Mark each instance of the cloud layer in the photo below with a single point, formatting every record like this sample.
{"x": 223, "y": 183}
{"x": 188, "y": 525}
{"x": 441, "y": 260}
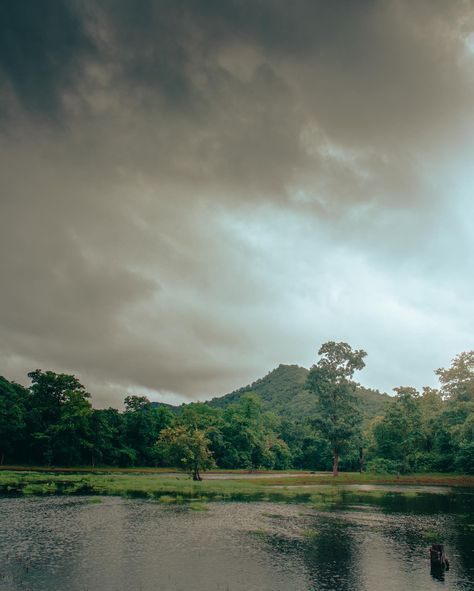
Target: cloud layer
{"x": 193, "y": 192}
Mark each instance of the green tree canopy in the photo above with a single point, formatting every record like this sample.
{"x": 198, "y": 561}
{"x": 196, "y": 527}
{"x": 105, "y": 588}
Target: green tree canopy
{"x": 457, "y": 382}
{"x": 186, "y": 448}
{"x": 330, "y": 380}
{"x": 58, "y": 413}
{"x": 12, "y": 418}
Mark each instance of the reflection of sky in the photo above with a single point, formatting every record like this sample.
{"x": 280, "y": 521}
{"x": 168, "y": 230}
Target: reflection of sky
{"x": 120, "y": 544}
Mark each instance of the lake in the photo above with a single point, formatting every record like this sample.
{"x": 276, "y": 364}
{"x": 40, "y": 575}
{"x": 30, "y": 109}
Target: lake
{"x": 83, "y": 544}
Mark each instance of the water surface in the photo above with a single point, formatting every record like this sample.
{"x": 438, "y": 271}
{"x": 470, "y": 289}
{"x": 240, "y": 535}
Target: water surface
{"x": 73, "y": 544}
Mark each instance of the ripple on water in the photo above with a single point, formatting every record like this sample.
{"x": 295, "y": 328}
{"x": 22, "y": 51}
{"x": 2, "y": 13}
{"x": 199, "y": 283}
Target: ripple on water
{"x": 118, "y": 544}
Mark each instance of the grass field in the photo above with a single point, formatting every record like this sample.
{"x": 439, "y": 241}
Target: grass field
{"x": 154, "y": 484}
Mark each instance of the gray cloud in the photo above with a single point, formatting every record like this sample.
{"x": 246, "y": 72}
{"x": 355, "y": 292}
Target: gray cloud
{"x": 193, "y": 192}
{"x": 41, "y": 50}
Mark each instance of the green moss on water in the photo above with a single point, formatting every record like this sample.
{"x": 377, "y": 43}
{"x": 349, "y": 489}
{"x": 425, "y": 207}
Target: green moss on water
{"x": 432, "y": 536}
{"x": 167, "y": 499}
{"x": 197, "y": 506}
{"x": 409, "y": 494}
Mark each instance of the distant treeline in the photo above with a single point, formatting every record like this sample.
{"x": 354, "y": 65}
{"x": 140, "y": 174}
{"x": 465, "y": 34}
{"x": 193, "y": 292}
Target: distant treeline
{"x": 52, "y": 423}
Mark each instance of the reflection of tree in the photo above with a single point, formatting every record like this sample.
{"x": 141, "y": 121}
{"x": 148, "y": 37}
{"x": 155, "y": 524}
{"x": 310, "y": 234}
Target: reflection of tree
{"x": 356, "y": 550}
{"x": 463, "y": 542}
{"x": 329, "y": 554}
{"x": 331, "y": 558}
{"x": 437, "y": 572}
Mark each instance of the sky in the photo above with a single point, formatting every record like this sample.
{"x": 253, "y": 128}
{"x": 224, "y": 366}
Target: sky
{"x": 195, "y": 191}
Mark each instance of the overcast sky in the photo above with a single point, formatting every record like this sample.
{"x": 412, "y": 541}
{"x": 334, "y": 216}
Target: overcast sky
{"x": 194, "y": 191}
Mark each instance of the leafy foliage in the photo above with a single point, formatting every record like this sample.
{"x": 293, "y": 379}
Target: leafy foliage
{"x": 291, "y": 418}
{"x": 187, "y": 448}
{"x": 284, "y": 392}
{"x": 338, "y": 418}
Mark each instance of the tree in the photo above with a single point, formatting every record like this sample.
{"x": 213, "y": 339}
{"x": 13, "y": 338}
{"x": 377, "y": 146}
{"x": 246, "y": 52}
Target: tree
{"x": 142, "y": 425}
{"x": 330, "y": 379}
{"x": 454, "y": 439}
{"x": 308, "y": 449}
{"x": 58, "y": 416}
{"x": 458, "y": 381}
{"x": 71, "y": 435}
{"x": 106, "y": 437}
{"x": 186, "y": 448}
{"x": 250, "y": 438}
{"x": 398, "y": 436}
{"x": 12, "y": 419}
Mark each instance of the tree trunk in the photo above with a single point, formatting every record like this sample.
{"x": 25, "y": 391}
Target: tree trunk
{"x": 361, "y": 459}
{"x": 335, "y": 464}
{"x": 438, "y": 557}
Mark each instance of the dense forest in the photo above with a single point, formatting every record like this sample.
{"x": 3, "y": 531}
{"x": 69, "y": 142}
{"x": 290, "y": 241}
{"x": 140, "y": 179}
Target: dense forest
{"x": 314, "y": 419}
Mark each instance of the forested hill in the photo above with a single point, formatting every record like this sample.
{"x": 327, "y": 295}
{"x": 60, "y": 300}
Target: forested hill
{"x": 52, "y": 422}
{"x": 283, "y": 391}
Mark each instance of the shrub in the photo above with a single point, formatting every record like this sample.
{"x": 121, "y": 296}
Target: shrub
{"x": 384, "y": 466}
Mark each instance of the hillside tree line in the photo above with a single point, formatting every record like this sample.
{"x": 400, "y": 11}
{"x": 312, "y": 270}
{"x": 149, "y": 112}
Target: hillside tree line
{"x": 52, "y": 422}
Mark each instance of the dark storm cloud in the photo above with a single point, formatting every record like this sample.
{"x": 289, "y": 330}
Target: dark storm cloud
{"x": 255, "y": 91}
{"x": 267, "y": 87}
{"x": 42, "y": 45}
{"x": 179, "y": 179}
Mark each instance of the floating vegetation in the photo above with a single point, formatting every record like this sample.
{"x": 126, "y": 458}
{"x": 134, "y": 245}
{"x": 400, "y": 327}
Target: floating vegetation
{"x": 310, "y": 534}
{"x": 432, "y": 536}
{"x": 167, "y": 499}
{"x": 198, "y": 506}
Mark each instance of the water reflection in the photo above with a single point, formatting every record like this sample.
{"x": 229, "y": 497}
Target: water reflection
{"x": 118, "y": 544}
{"x": 331, "y": 557}
{"x": 438, "y": 572}
{"x": 384, "y": 543}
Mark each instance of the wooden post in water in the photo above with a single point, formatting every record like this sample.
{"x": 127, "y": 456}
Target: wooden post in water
{"x": 438, "y": 557}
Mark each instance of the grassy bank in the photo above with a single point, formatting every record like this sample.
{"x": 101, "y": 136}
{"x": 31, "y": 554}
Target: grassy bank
{"x": 130, "y": 485}
{"x": 295, "y": 488}
{"x": 347, "y": 478}
{"x": 138, "y": 470}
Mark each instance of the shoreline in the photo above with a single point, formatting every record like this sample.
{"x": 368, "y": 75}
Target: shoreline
{"x": 176, "y": 487}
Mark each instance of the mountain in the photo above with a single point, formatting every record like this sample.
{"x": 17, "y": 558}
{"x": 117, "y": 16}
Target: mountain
{"x": 283, "y": 392}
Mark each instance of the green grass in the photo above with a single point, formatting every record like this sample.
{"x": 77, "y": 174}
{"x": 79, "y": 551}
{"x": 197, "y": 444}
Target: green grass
{"x": 179, "y": 489}
{"x": 129, "y": 485}
{"x": 196, "y": 506}
{"x": 344, "y": 478}
{"x": 432, "y": 536}
{"x": 134, "y": 470}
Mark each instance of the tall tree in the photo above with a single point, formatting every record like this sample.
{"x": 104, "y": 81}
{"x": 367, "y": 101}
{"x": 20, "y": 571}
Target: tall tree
{"x": 12, "y": 419}
{"x": 455, "y": 441}
{"x": 58, "y": 412}
{"x": 71, "y": 438}
{"x": 330, "y": 379}
{"x": 398, "y": 436}
{"x": 457, "y": 382}
{"x": 143, "y": 423}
